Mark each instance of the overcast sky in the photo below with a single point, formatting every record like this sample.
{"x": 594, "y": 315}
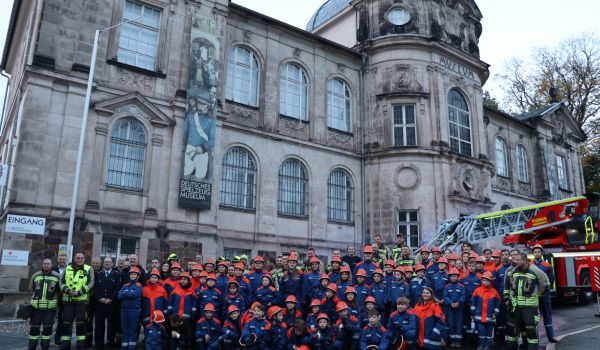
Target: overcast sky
{"x": 510, "y": 27}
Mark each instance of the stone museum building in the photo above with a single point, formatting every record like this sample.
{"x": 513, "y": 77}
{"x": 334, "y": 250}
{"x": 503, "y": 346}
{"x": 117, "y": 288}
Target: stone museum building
{"x": 370, "y": 121}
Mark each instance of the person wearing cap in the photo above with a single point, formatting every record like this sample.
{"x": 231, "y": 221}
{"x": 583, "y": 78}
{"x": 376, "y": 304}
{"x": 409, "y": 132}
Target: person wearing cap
{"x": 311, "y": 318}
{"x": 440, "y": 278}
{"x": 379, "y": 292}
{"x": 154, "y": 331}
{"x": 334, "y": 269}
{"x": 171, "y": 258}
{"x": 389, "y": 266}
{"x": 432, "y": 322}
{"x": 292, "y": 280}
{"x": 107, "y": 284}
{"x": 366, "y": 265}
{"x": 370, "y": 305}
{"x": 172, "y": 282}
{"x": 254, "y": 336}
{"x": 497, "y": 257}
{"x": 432, "y": 267}
{"x": 351, "y": 259}
{"x": 255, "y": 276}
{"x": 291, "y": 312}
{"x": 374, "y": 333}
{"x": 154, "y": 297}
{"x": 455, "y": 297}
{"x": 406, "y": 258}
{"x": 363, "y": 290}
{"x": 232, "y": 329}
{"x": 209, "y": 294}
{"x": 352, "y": 302}
{"x": 545, "y": 299}
{"x": 344, "y": 281}
{"x": 276, "y": 329}
{"x": 232, "y": 296}
{"x": 480, "y": 265}
{"x": 417, "y": 284}
{"x": 348, "y": 326}
{"x": 208, "y": 329}
{"x": 312, "y": 279}
{"x": 325, "y": 337}
{"x": 183, "y": 301}
{"x": 243, "y": 283}
{"x": 485, "y": 304}
{"x": 319, "y": 292}
{"x": 500, "y": 273}
{"x": 195, "y": 271}
{"x": 397, "y": 288}
{"x": 471, "y": 282}
{"x": 408, "y": 274}
{"x": 130, "y": 297}
{"x": 266, "y": 294}
{"x": 222, "y": 277}
{"x": 329, "y": 301}
{"x": 209, "y": 266}
{"x": 403, "y": 323}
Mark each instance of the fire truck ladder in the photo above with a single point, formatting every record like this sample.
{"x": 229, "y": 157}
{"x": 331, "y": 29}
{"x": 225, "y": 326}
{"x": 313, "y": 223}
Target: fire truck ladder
{"x": 477, "y": 228}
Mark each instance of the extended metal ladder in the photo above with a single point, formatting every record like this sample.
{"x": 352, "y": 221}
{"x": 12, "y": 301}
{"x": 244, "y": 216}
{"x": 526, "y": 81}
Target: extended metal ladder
{"x": 478, "y": 228}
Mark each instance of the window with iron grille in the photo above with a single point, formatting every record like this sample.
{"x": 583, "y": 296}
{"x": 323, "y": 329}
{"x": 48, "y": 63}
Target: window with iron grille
{"x": 138, "y": 41}
{"x": 242, "y": 76}
{"x": 561, "y": 168}
{"x": 340, "y": 197}
{"x": 230, "y": 253}
{"x": 501, "y": 157}
{"x": 338, "y": 105}
{"x": 293, "y": 189}
{"x": 405, "y": 126}
{"x": 523, "y": 164}
{"x": 126, "y": 155}
{"x": 293, "y": 97}
{"x": 408, "y": 224}
{"x": 115, "y": 247}
{"x": 460, "y": 125}
{"x": 238, "y": 180}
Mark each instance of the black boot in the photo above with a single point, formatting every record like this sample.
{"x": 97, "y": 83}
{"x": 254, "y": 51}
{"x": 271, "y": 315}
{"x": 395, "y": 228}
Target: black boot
{"x": 32, "y": 344}
{"x": 45, "y": 344}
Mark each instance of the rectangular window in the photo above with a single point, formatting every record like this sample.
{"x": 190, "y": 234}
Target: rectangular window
{"x": 561, "y": 168}
{"x": 230, "y": 253}
{"x": 404, "y": 126}
{"x": 408, "y": 224}
{"x": 138, "y": 41}
{"x": 115, "y": 247}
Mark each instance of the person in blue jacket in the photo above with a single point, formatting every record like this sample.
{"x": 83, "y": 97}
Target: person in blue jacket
{"x": 222, "y": 277}
{"x": 267, "y": 295}
{"x": 208, "y": 330}
{"x": 154, "y": 332}
{"x": 484, "y": 309}
{"x": 439, "y": 279}
{"x": 231, "y": 329}
{"x": 276, "y": 329}
{"x": 403, "y": 322}
{"x": 417, "y": 284}
{"x": 254, "y": 336}
{"x": 455, "y": 296}
{"x": 374, "y": 333}
{"x": 367, "y": 265}
{"x": 325, "y": 337}
{"x": 348, "y": 327}
{"x": 130, "y": 297}
{"x": 311, "y": 280}
{"x": 379, "y": 292}
{"x": 209, "y": 294}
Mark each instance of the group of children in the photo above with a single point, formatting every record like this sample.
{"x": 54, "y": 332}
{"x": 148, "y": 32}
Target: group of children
{"x": 426, "y": 306}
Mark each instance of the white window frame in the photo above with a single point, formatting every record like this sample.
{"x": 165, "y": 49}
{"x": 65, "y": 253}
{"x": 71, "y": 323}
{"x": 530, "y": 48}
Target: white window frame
{"x": 140, "y": 27}
{"x": 293, "y": 93}
{"x": 120, "y": 156}
{"x": 501, "y": 157}
{"x": 240, "y": 73}
{"x": 292, "y": 190}
{"x": 458, "y": 124}
{"x": 400, "y": 123}
{"x": 523, "y": 164}
{"x": 562, "y": 172}
{"x": 340, "y": 197}
{"x": 119, "y": 252}
{"x": 334, "y": 111}
{"x": 403, "y": 217}
{"x": 238, "y": 179}
{"x": 230, "y": 253}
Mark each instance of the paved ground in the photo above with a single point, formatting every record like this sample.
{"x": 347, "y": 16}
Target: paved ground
{"x": 575, "y": 326}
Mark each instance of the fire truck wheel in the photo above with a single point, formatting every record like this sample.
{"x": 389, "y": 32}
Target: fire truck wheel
{"x": 588, "y": 296}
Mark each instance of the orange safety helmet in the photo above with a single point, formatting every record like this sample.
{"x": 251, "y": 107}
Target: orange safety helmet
{"x": 379, "y": 272}
{"x": 273, "y": 310}
{"x": 293, "y": 257}
{"x": 315, "y": 302}
{"x": 408, "y": 269}
{"x": 203, "y": 274}
{"x": 322, "y": 316}
{"x": 175, "y": 265}
{"x": 496, "y": 253}
{"x": 209, "y": 307}
{"x": 324, "y": 276}
{"x": 488, "y": 276}
{"x": 370, "y": 299}
{"x": 368, "y": 249}
{"x": 390, "y": 262}
{"x": 336, "y": 259}
{"x": 332, "y": 287}
{"x": 186, "y": 275}
{"x": 419, "y": 267}
{"x": 537, "y": 246}
{"x": 232, "y": 308}
{"x": 154, "y": 272}
{"x": 350, "y": 289}
{"x": 400, "y": 269}
{"x": 239, "y": 266}
{"x": 291, "y": 299}
{"x": 361, "y": 272}
{"x": 436, "y": 249}
{"x": 196, "y": 267}
{"x": 442, "y": 260}
{"x": 341, "y": 306}
{"x": 345, "y": 269}
{"x": 211, "y": 276}
{"x": 314, "y": 259}
{"x": 259, "y": 259}
{"x": 453, "y": 271}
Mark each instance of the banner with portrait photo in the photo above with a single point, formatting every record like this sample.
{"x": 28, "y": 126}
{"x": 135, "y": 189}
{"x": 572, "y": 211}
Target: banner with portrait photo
{"x": 195, "y": 185}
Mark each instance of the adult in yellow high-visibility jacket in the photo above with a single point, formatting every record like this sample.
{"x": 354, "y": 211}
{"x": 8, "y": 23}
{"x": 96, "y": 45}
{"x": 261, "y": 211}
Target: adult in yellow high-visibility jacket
{"x": 44, "y": 286}
{"x": 75, "y": 284}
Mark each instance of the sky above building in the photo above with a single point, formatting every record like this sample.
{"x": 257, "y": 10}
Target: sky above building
{"x": 511, "y": 28}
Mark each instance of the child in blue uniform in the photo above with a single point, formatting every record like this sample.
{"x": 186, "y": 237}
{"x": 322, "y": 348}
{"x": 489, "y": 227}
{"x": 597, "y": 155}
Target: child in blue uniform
{"x": 130, "y": 297}
{"x": 374, "y": 333}
{"x": 208, "y": 330}
{"x": 454, "y": 303}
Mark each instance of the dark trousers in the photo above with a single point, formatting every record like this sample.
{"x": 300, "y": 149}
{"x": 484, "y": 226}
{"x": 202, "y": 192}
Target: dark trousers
{"x": 519, "y": 318}
{"x": 59, "y": 312}
{"x": 41, "y": 322}
{"x": 73, "y": 311}
{"x": 546, "y": 311}
{"x": 130, "y": 324}
{"x": 500, "y": 333}
{"x": 104, "y": 322}
{"x": 455, "y": 320}
{"x": 486, "y": 332}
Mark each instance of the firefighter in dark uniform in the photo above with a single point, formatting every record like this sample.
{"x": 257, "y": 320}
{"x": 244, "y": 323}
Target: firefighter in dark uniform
{"x": 522, "y": 287}
{"x": 75, "y": 284}
{"x": 45, "y": 287}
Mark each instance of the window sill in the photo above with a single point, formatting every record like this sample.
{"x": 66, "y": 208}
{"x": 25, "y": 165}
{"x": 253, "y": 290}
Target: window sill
{"x": 349, "y": 133}
{"x": 404, "y": 147}
{"x": 292, "y": 216}
{"x": 503, "y": 176}
{"x": 136, "y": 69}
{"x": 293, "y": 118}
{"x": 125, "y": 190}
{"x": 336, "y": 222}
{"x": 524, "y": 182}
{"x": 256, "y": 108}
{"x": 238, "y": 209}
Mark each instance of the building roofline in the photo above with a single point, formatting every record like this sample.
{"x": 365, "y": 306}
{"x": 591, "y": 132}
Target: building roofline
{"x": 10, "y": 32}
{"x": 292, "y": 28}
{"x": 507, "y": 116}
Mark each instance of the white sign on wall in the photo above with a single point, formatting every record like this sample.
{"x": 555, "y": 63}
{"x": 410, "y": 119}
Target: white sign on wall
{"x": 25, "y": 224}
{"x": 3, "y": 174}
{"x": 15, "y": 257}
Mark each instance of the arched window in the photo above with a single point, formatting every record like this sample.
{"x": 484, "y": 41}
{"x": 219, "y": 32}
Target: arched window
{"x": 338, "y": 105}
{"x": 501, "y": 157}
{"x": 238, "y": 179}
{"x": 242, "y": 76}
{"x": 126, "y": 155}
{"x": 340, "y": 197}
{"x": 523, "y": 164}
{"x": 293, "y": 97}
{"x": 293, "y": 189}
{"x": 460, "y": 124}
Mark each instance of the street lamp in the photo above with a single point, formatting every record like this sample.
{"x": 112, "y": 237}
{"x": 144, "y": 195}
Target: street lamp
{"x": 86, "y": 107}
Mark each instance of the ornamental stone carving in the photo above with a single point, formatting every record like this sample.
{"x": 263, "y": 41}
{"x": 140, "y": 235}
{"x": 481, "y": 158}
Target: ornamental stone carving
{"x": 135, "y": 80}
{"x": 399, "y": 78}
{"x": 470, "y": 182}
{"x": 244, "y": 116}
{"x": 407, "y": 177}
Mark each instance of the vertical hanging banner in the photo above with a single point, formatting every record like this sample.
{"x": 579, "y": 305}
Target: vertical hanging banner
{"x": 195, "y": 185}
